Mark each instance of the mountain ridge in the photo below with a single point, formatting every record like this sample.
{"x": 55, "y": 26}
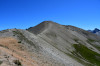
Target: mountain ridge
{"x": 41, "y": 27}
{"x": 50, "y": 44}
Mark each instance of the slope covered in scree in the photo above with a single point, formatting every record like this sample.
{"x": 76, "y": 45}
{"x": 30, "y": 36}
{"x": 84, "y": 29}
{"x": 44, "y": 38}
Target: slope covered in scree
{"x": 67, "y": 39}
{"x": 83, "y": 32}
{"x": 49, "y": 44}
{"x": 39, "y": 28}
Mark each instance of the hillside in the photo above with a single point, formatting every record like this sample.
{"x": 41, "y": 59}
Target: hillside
{"x": 49, "y": 44}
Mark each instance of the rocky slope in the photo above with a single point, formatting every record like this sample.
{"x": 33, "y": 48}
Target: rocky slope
{"x": 49, "y": 44}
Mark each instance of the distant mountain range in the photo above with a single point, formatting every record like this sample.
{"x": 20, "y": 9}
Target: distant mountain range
{"x": 95, "y": 31}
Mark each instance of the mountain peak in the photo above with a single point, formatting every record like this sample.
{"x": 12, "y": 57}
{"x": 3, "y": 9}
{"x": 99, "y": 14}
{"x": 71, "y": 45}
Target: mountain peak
{"x": 96, "y": 30}
{"x": 40, "y": 27}
{"x": 49, "y": 43}
{"x": 47, "y": 22}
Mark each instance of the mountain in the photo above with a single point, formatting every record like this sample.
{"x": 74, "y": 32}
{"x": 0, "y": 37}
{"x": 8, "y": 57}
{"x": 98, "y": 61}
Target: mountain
{"x": 49, "y": 44}
{"x": 95, "y": 31}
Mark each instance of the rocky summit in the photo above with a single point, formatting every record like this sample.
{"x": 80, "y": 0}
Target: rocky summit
{"x": 49, "y": 44}
{"x": 95, "y": 31}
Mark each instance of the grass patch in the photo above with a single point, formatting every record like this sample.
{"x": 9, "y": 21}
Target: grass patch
{"x": 97, "y": 47}
{"x": 87, "y": 54}
{"x": 78, "y": 59}
{"x": 1, "y": 62}
{"x": 94, "y": 45}
{"x": 91, "y": 40}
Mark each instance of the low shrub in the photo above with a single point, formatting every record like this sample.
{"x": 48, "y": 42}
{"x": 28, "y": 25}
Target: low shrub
{"x": 17, "y": 62}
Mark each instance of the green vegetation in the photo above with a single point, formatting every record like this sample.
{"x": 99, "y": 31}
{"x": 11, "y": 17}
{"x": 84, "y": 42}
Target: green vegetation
{"x": 87, "y": 54}
{"x": 78, "y": 59}
{"x": 17, "y": 62}
{"x": 19, "y": 41}
{"x": 1, "y": 62}
{"x": 91, "y": 40}
{"x": 96, "y": 46}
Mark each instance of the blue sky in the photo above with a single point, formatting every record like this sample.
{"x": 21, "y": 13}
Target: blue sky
{"x": 22, "y": 14}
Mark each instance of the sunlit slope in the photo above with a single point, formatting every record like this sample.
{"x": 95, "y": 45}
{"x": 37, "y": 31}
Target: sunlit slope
{"x": 74, "y": 42}
{"x": 49, "y": 44}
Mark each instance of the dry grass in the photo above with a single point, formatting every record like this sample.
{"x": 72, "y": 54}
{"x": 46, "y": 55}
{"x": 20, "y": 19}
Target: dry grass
{"x": 11, "y": 46}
